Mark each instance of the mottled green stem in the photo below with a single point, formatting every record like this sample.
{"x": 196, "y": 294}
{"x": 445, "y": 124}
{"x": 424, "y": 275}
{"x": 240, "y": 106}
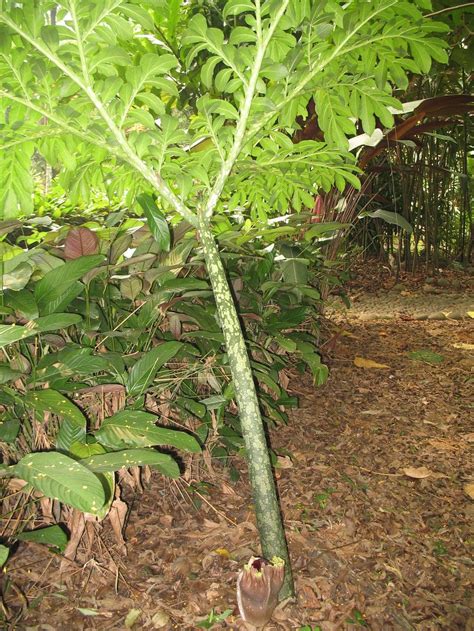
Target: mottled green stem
{"x": 267, "y": 509}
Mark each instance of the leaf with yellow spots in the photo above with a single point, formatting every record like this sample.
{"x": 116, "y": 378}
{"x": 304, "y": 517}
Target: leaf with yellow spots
{"x": 103, "y": 463}
{"x": 362, "y": 362}
{"x": 61, "y": 478}
{"x": 135, "y": 428}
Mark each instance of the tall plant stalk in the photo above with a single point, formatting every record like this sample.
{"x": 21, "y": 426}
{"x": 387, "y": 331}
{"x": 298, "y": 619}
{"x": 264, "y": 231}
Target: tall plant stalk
{"x": 270, "y": 527}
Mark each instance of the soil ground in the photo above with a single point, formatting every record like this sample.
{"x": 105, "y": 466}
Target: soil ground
{"x": 375, "y": 473}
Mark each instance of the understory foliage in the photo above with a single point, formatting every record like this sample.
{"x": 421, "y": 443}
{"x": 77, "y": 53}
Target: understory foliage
{"x": 185, "y": 113}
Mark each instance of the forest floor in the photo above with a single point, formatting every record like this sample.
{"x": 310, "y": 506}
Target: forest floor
{"x": 375, "y": 479}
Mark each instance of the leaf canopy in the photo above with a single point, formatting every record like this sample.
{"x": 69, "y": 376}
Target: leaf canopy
{"x": 100, "y": 97}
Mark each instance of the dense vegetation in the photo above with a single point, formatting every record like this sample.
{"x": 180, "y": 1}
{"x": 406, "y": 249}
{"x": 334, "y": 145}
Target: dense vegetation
{"x": 176, "y": 181}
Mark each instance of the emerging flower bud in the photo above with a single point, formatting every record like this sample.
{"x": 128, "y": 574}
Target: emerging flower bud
{"x": 258, "y": 585}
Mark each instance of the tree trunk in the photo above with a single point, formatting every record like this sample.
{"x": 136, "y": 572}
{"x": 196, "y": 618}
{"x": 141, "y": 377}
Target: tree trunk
{"x": 269, "y": 521}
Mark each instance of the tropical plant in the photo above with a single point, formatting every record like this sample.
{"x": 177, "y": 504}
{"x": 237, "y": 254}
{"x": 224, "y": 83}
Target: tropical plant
{"x": 91, "y": 87}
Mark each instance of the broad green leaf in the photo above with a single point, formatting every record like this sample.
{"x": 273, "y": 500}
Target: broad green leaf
{"x": 18, "y": 278}
{"x": 389, "y": 217}
{"x": 51, "y": 289}
{"x": 50, "y": 536}
{"x": 320, "y": 229}
{"x": 156, "y": 221}
{"x": 59, "y": 477}
{"x": 9, "y": 430}
{"x": 295, "y": 270}
{"x": 10, "y": 333}
{"x": 56, "y": 321}
{"x": 195, "y": 407}
{"x": 73, "y": 427}
{"x": 72, "y": 361}
{"x": 144, "y": 370}
{"x": 235, "y": 7}
{"x": 287, "y": 319}
{"x": 132, "y": 428}
{"x": 4, "y": 552}
{"x": 429, "y": 357}
{"x": 7, "y": 374}
{"x": 131, "y": 458}
{"x": 23, "y": 302}
{"x": 184, "y": 284}
{"x": 82, "y": 451}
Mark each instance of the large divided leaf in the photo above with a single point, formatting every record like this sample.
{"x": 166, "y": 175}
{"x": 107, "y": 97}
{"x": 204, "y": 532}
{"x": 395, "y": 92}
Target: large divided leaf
{"x": 16, "y": 180}
{"x": 61, "y": 478}
{"x": 133, "y": 428}
{"x": 130, "y": 458}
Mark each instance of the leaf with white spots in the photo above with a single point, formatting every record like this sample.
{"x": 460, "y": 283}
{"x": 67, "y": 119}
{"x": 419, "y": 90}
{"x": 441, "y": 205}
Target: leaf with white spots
{"x": 116, "y": 460}
{"x": 133, "y": 428}
{"x": 59, "y": 477}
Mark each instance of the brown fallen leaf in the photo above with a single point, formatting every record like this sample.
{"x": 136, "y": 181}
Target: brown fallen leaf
{"x": 417, "y": 472}
{"x": 284, "y": 462}
{"x": 160, "y": 619}
{"x": 469, "y": 490}
{"x": 362, "y": 362}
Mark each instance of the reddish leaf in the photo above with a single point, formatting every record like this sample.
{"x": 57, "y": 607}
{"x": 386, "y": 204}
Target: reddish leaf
{"x": 80, "y": 242}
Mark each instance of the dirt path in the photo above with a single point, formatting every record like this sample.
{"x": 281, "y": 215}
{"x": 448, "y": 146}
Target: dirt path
{"x": 373, "y": 478}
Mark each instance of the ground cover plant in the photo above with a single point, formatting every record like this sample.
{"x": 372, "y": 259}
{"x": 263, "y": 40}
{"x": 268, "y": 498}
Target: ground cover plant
{"x": 187, "y": 116}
